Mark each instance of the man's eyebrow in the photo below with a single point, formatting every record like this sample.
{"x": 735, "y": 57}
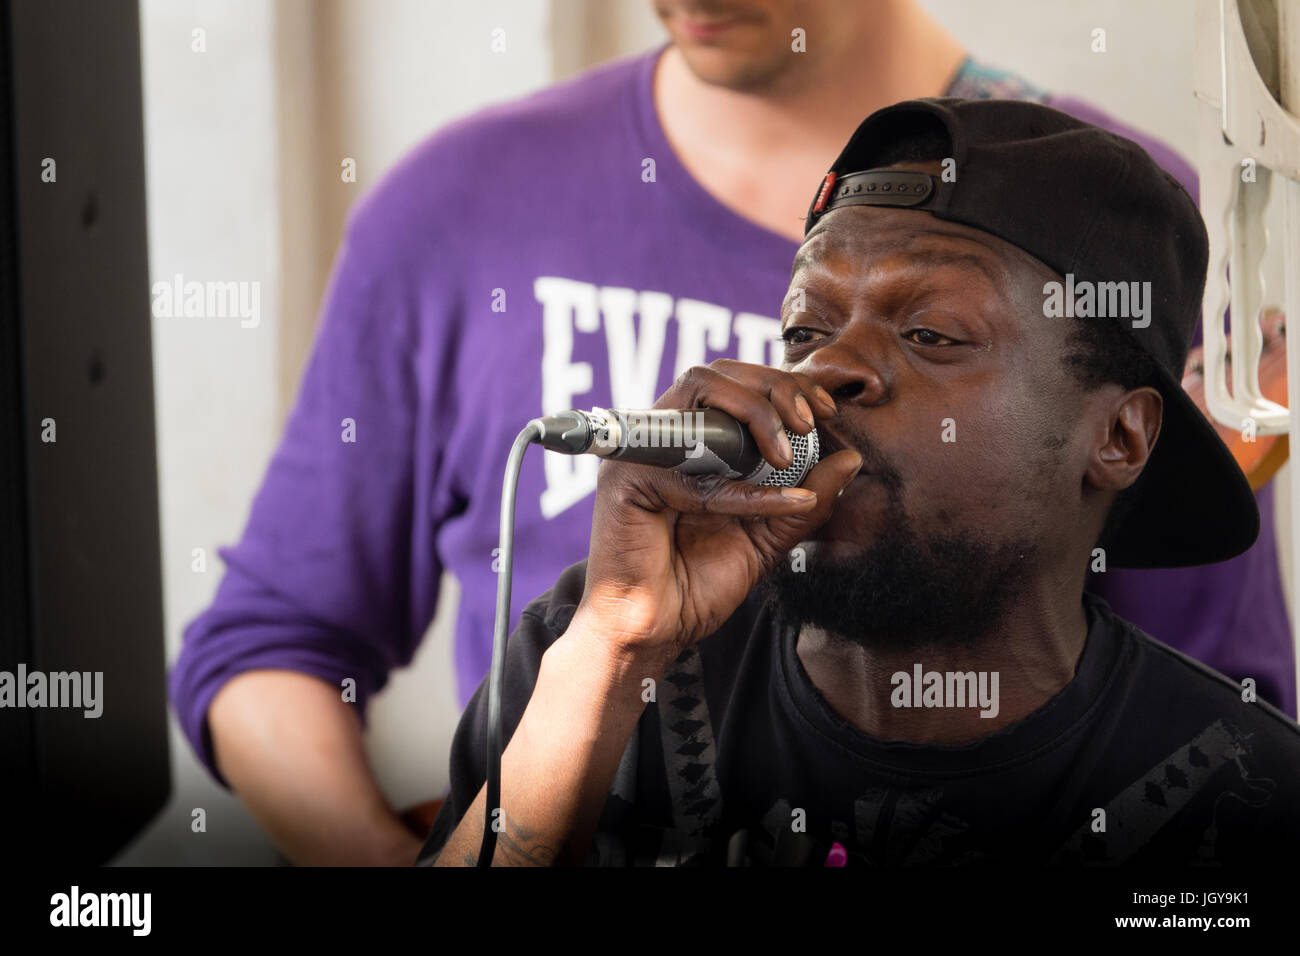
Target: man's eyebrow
{"x": 801, "y": 259}
{"x": 933, "y": 258}
{"x": 926, "y": 257}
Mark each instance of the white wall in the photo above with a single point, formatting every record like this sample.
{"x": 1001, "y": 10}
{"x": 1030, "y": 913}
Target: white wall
{"x": 212, "y": 210}
{"x": 1144, "y": 77}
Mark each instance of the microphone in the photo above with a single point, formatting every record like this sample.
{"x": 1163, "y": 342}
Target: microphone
{"x": 694, "y": 441}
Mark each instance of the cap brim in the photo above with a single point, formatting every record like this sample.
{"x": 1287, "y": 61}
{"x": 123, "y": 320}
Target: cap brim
{"x": 1192, "y": 503}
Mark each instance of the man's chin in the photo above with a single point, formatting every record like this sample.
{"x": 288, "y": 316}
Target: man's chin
{"x": 731, "y": 69}
{"x": 877, "y": 582}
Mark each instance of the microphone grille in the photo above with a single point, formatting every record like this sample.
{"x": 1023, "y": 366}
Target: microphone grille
{"x": 807, "y": 451}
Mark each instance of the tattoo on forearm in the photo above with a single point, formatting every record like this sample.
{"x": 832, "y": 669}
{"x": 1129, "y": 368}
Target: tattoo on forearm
{"x": 518, "y": 849}
{"x": 522, "y": 849}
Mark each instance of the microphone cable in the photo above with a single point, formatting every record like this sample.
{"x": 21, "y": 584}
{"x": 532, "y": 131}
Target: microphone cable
{"x": 500, "y": 632}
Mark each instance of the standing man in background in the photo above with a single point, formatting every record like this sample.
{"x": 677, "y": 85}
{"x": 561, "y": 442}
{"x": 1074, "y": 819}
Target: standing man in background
{"x": 580, "y": 247}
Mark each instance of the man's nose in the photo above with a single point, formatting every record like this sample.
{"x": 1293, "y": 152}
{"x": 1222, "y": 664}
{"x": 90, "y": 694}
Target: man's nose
{"x": 852, "y": 371}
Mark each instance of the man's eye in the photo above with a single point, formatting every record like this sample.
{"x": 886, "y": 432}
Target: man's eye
{"x": 797, "y": 335}
{"x": 928, "y": 337}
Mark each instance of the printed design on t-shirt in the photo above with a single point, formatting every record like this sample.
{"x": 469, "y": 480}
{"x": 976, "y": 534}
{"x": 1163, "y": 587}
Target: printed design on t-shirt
{"x": 635, "y": 325}
{"x": 891, "y": 827}
{"x": 894, "y": 827}
{"x": 911, "y": 827}
{"x": 686, "y": 733}
{"x": 1136, "y": 814}
{"x": 977, "y": 81}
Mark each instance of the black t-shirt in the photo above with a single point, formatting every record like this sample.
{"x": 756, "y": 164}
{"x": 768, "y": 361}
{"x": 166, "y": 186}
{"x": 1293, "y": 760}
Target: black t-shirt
{"x": 1146, "y": 756}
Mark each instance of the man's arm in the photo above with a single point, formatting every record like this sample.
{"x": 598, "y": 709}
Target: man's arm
{"x": 336, "y": 574}
{"x": 672, "y": 557}
{"x": 292, "y": 750}
{"x": 558, "y": 767}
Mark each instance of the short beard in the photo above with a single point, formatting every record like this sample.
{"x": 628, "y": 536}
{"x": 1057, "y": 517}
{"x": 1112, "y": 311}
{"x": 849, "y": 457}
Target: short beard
{"x": 751, "y": 79}
{"x": 905, "y": 591}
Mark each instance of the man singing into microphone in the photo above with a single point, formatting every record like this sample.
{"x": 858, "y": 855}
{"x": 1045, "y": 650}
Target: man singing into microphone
{"x": 897, "y": 663}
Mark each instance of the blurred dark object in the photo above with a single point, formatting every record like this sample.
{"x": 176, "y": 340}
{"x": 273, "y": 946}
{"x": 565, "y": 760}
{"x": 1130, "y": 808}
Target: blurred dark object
{"x": 80, "y": 576}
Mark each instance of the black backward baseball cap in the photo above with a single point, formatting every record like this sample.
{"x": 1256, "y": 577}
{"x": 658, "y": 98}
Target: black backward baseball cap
{"x": 1094, "y": 205}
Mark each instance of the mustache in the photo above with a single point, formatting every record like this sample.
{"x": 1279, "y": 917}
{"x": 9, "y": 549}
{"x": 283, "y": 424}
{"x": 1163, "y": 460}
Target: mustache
{"x": 875, "y": 464}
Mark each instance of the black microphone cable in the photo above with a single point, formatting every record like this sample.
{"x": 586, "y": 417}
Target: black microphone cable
{"x": 500, "y": 632}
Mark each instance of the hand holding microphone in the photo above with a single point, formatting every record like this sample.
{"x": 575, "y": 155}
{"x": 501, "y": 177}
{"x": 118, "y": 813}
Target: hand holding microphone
{"x": 673, "y": 551}
{"x": 677, "y": 542}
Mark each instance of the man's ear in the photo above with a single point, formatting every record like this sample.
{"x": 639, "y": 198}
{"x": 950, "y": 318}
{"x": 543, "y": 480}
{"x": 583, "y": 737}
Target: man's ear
{"x": 1131, "y": 422}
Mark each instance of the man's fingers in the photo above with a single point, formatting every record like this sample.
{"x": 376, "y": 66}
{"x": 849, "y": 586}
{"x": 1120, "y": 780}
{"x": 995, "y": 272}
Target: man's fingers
{"x": 721, "y": 496}
{"x": 653, "y": 489}
{"x": 659, "y": 489}
{"x": 823, "y": 404}
{"x": 833, "y": 473}
{"x": 798, "y": 399}
{"x": 705, "y": 386}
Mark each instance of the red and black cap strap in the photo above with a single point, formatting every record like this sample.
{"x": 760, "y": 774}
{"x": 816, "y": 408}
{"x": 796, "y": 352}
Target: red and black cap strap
{"x": 877, "y": 187}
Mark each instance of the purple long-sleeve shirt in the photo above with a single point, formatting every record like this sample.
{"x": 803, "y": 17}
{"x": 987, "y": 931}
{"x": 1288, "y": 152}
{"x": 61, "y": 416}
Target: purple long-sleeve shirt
{"x": 546, "y": 254}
